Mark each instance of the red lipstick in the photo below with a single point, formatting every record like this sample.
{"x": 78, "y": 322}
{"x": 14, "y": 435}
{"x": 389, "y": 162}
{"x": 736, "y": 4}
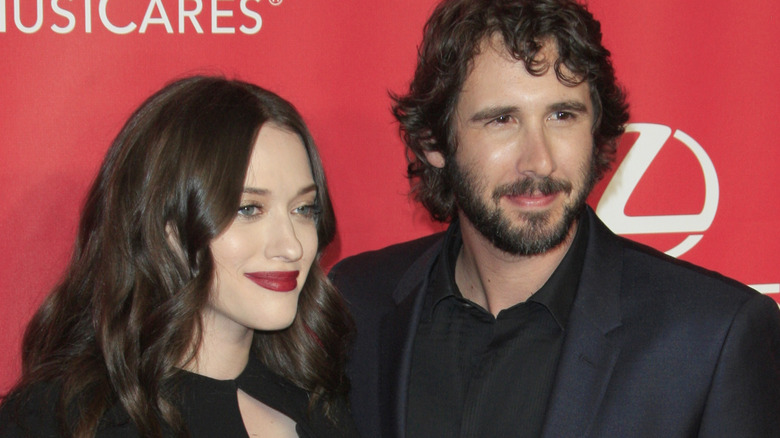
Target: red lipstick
{"x": 278, "y": 281}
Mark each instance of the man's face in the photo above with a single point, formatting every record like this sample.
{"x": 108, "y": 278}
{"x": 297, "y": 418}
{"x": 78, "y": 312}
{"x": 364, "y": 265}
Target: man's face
{"x": 523, "y": 165}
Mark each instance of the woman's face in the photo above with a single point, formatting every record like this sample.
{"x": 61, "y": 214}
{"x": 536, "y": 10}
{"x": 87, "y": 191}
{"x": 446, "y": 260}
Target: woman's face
{"x": 263, "y": 258}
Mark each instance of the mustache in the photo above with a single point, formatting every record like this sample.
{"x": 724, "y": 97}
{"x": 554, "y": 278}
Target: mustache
{"x": 528, "y": 186}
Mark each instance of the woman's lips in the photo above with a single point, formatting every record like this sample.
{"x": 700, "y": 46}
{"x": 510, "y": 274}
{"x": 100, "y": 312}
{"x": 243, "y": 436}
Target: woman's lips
{"x": 278, "y": 281}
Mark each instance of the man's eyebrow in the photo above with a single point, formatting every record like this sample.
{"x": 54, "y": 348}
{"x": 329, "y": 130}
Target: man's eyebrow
{"x": 569, "y": 105}
{"x": 493, "y": 112}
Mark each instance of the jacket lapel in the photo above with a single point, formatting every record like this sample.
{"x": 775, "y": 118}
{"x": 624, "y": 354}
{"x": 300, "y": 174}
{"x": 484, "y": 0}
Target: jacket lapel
{"x": 589, "y": 353}
{"x": 397, "y": 336}
{"x": 587, "y": 359}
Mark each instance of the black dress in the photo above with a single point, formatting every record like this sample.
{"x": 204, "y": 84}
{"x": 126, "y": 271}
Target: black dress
{"x": 209, "y": 408}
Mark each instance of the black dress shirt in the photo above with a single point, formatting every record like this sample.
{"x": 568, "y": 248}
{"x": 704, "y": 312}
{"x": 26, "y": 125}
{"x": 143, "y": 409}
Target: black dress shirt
{"x": 476, "y": 375}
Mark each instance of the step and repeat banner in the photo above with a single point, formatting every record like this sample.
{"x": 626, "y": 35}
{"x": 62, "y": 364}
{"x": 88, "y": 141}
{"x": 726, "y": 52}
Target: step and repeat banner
{"x": 697, "y": 171}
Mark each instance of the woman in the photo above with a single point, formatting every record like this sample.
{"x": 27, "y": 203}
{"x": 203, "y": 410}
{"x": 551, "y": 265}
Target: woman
{"x": 194, "y": 304}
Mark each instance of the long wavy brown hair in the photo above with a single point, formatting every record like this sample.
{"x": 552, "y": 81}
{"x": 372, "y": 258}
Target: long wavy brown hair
{"x": 452, "y": 38}
{"x": 127, "y": 313}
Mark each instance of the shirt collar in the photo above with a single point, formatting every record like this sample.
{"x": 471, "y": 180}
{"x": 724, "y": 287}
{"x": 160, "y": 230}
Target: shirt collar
{"x": 557, "y": 294}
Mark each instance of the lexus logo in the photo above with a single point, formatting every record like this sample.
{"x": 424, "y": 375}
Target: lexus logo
{"x": 611, "y": 207}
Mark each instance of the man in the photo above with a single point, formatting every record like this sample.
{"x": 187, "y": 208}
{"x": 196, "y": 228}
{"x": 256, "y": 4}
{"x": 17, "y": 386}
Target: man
{"x": 528, "y": 317}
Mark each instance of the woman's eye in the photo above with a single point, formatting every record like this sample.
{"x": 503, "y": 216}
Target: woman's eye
{"x": 249, "y": 210}
{"x": 308, "y": 211}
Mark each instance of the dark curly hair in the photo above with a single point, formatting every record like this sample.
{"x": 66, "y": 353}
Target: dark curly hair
{"x": 127, "y": 313}
{"x": 452, "y": 38}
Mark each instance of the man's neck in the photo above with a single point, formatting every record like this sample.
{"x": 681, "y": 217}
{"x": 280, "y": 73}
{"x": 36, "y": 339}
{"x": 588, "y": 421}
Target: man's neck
{"x": 497, "y": 280}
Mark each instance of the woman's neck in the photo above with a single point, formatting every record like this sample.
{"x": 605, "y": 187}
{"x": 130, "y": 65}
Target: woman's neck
{"x": 223, "y": 352}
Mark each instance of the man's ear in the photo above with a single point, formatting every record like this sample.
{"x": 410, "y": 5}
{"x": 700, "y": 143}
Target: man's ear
{"x": 436, "y": 158}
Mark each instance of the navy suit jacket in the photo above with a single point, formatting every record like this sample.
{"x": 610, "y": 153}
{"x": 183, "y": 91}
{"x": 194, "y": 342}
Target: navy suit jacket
{"x": 654, "y": 347}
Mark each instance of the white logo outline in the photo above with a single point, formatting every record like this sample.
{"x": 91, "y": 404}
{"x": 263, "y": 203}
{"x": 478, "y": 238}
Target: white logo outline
{"x": 611, "y": 207}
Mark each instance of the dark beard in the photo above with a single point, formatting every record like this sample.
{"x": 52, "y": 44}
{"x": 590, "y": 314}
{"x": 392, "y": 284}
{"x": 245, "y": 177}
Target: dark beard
{"x": 538, "y": 235}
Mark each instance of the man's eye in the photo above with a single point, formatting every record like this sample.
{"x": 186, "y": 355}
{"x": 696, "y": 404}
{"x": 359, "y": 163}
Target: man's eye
{"x": 562, "y": 115}
{"x": 502, "y": 119}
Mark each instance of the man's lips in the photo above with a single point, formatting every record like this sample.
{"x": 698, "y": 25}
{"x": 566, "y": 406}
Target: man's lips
{"x": 278, "y": 281}
{"x": 532, "y": 200}
{"x": 533, "y": 193}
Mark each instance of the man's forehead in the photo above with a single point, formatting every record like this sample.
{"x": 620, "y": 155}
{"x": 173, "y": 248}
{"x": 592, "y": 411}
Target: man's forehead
{"x": 544, "y": 59}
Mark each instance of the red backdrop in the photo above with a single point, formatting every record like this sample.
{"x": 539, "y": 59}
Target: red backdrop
{"x": 701, "y": 179}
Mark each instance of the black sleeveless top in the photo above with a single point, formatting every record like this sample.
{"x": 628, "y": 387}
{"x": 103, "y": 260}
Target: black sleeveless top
{"x": 208, "y": 406}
